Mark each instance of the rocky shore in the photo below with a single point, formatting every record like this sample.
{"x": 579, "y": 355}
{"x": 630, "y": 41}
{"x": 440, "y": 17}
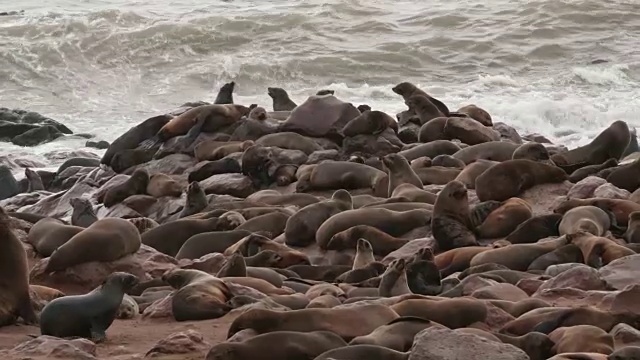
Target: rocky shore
{"x": 328, "y": 228}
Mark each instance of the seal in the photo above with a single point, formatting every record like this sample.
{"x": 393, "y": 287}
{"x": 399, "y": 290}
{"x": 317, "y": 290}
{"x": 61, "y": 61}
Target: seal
{"x": 83, "y": 214}
{"x": 505, "y": 219}
{"x": 430, "y": 150}
{"x": 512, "y": 177}
{"x": 15, "y": 300}
{"x": 421, "y": 162}
{"x": 198, "y": 295}
{"x": 533, "y": 151}
{"x": 381, "y": 242}
{"x": 632, "y": 235}
{"x": 8, "y": 184}
{"x": 210, "y": 168}
{"x": 536, "y": 228}
{"x": 134, "y": 136}
{"x": 205, "y": 243}
{"x": 450, "y": 220}
{"x": 393, "y": 281}
{"x": 452, "y": 313}
{"x": 563, "y": 255}
{"x": 136, "y": 184}
{"x": 424, "y": 108}
{"x": 581, "y": 338}
{"x": 433, "y": 129}
{"x": 225, "y": 94}
{"x": 88, "y": 315}
{"x": 400, "y": 172}
{"x": 302, "y": 226}
{"x": 128, "y": 309}
{"x": 273, "y": 223}
{"x": 48, "y": 234}
{"x": 195, "y": 202}
{"x": 202, "y": 152}
{"x": 392, "y": 222}
{"x": 345, "y": 322}
{"x": 596, "y": 250}
{"x": 620, "y": 208}
{"x": 470, "y": 173}
{"x": 168, "y": 238}
{"x": 35, "y": 182}
{"x": 455, "y": 260}
{"x": 372, "y": 270}
{"x": 397, "y": 335}
{"x": 364, "y": 254}
{"x": 446, "y": 161}
{"x": 610, "y": 143}
{"x": 370, "y": 123}
{"x": 217, "y": 116}
{"x": 407, "y": 89}
{"x": 281, "y": 100}
{"x": 106, "y": 240}
{"x": 163, "y": 185}
{"x": 518, "y": 256}
{"x": 496, "y": 151}
{"x": 289, "y": 140}
{"x": 476, "y": 113}
{"x": 626, "y": 176}
{"x": 124, "y": 160}
{"x": 589, "y": 170}
{"x": 291, "y": 345}
{"x": 331, "y": 175}
{"x": 469, "y": 131}
{"x": 363, "y": 352}
{"x": 413, "y": 193}
{"x": 588, "y": 218}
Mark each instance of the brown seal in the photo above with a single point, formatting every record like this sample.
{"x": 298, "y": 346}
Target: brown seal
{"x": 281, "y": 100}
{"x": 495, "y": 151}
{"x": 397, "y": 335}
{"x": 452, "y": 313}
{"x": 15, "y": 300}
{"x": 421, "y": 162}
{"x": 393, "y": 282}
{"x": 518, "y": 256}
{"x": 533, "y": 151}
{"x": 450, "y": 220}
{"x": 35, "y": 182}
{"x": 470, "y": 173}
{"x": 407, "y": 89}
{"x": 289, "y": 140}
{"x": 536, "y": 228}
{"x": 477, "y": 113}
{"x": 168, "y": 238}
{"x": 431, "y": 130}
{"x": 632, "y": 235}
{"x": 254, "y": 243}
{"x": 135, "y": 184}
{"x": 49, "y": 234}
{"x": 324, "y": 301}
{"x": 392, "y": 222}
{"x": 588, "y": 218}
{"x": 275, "y": 198}
{"x": 581, "y": 338}
{"x": 589, "y": 170}
{"x": 302, "y": 226}
{"x": 620, "y": 208}
{"x": 437, "y": 175}
{"x": 106, "y": 240}
{"x": 563, "y": 255}
{"x": 331, "y": 175}
{"x": 198, "y": 295}
{"x": 596, "y": 250}
{"x": 505, "y": 219}
{"x": 381, "y": 242}
{"x": 626, "y": 176}
{"x": 469, "y": 131}
{"x": 347, "y": 323}
{"x": 195, "y": 202}
{"x": 458, "y": 259}
{"x": 424, "y": 108}
{"x": 225, "y": 94}
{"x": 413, "y": 193}
{"x": 83, "y": 214}
{"x": 221, "y": 151}
{"x": 273, "y": 223}
{"x": 363, "y": 352}
{"x": 163, "y": 185}
{"x": 291, "y": 345}
{"x": 364, "y": 254}
{"x": 610, "y": 143}
{"x": 512, "y": 177}
{"x": 430, "y": 149}
{"x": 447, "y": 161}
{"x": 369, "y": 123}
{"x": 205, "y": 243}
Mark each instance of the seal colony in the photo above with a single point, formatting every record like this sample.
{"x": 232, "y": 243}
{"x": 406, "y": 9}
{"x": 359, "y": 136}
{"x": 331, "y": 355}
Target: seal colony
{"x": 334, "y": 231}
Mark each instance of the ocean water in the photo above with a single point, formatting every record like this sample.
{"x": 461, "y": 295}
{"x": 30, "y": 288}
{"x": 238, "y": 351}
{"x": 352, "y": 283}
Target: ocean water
{"x": 562, "y": 68}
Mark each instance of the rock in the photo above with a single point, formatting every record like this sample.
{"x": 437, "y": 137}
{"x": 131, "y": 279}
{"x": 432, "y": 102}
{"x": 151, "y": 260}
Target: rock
{"x": 409, "y": 249}
{"x": 160, "y": 308}
{"x": 537, "y": 138}
{"x": 621, "y": 272}
{"x": 543, "y": 198}
{"x": 507, "y": 132}
{"x": 101, "y": 144}
{"x": 571, "y": 297}
{"x": 184, "y": 342}
{"x": 228, "y": 184}
{"x": 51, "y": 347}
{"x": 437, "y": 343}
{"x": 320, "y": 116}
{"x": 625, "y": 335}
{"x": 622, "y": 301}
{"x": 496, "y": 317}
{"x": 64, "y": 155}
{"x": 57, "y": 205}
{"x": 37, "y": 136}
{"x": 409, "y": 133}
{"x": 210, "y": 263}
{"x": 174, "y": 164}
{"x": 584, "y": 188}
{"x": 503, "y": 291}
{"x": 609, "y": 191}
{"x": 581, "y": 278}
{"x": 320, "y": 155}
{"x": 16, "y": 202}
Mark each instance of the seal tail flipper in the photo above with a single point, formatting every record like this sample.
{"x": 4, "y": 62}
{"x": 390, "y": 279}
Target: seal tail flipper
{"x": 150, "y": 143}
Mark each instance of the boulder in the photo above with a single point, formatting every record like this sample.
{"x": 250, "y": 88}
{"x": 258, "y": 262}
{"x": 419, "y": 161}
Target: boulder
{"x": 184, "y": 342}
{"x": 100, "y": 144}
{"x": 580, "y": 277}
{"x": 49, "y": 347}
{"x": 584, "y": 188}
{"x": 545, "y": 197}
{"x": 507, "y": 132}
{"x": 57, "y": 205}
{"x": 610, "y": 191}
{"x": 237, "y": 185}
{"x": 174, "y": 164}
{"x": 37, "y": 136}
{"x": 621, "y": 272}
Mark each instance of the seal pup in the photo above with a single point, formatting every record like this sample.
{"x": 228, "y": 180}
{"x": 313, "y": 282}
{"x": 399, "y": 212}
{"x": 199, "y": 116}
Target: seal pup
{"x": 407, "y": 89}
{"x": 510, "y": 178}
{"x": 393, "y": 282}
{"x": 505, "y": 219}
{"x": 88, "y": 315}
{"x": 106, "y": 240}
{"x": 518, "y": 256}
{"x": 281, "y": 100}
{"x": 160, "y": 185}
{"x": 136, "y": 184}
{"x": 35, "y": 182}
{"x": 364, "y": 254}
{"x": 400, "y": 172}
{"x": 585, "y": 218}
{"x": 15, "y": 300}
{"x": 198, "y": 295}
{"x": 369, "y": 123}
{"x": 225, "y": 94}
{"x": 450, "y": 220}
{"x": 210, "y": 168}
{"x": 424, "y": 108}
{"x": 195, "y": 202}
{"x": 533, "y": 151}
{"x": 47, "y": 234}
{"x": 83, "y": 214}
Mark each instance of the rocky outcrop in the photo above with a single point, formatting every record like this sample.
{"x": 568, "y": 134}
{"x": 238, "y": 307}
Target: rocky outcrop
{"x": 27, "y": 128}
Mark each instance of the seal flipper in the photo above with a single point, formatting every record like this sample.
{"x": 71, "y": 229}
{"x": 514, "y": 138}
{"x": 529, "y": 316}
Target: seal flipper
{"x": 97, "y": 333}
{"x": 26, "y": 312}
{"x": 150, "y": 143}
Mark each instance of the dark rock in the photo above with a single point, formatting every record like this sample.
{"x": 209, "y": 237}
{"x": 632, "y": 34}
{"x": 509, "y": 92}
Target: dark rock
{"x": 97, "y": 144}
{"x": 37, "y": 136}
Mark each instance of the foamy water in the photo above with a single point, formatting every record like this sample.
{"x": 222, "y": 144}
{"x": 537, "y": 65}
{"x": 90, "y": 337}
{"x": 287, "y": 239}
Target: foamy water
{"x": 101, "y": 67}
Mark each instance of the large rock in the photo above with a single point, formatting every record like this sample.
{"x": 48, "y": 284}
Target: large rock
{"x": 184, "y": 342}
{"x": 507, "y": 132}
{"x": 625, "y": 335}
{"x": 610, "y": 191}
{"x": 49, "y": 347}
{"x": 57, "y": 205}
{"x": 437, "y": 343}
{"x": 584, "y": 188}
{"x": 320, "y": 116}
{"x": 621, "y": 272}
{"x": 37, "y": 136}
{"x": 174, "y": 164}
{"x": 544, "y": 198}
{"x": 228, "y": 184}
{"x": 581, "y": 277}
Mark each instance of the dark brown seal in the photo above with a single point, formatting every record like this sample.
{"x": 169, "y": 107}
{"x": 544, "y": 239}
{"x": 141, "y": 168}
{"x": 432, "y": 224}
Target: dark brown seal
{"x": 505, "y": 219}
{"x": 588, "y": 170}
{"x": 424, "y": 108}
{"x": 382, "y": 242}
{"x": 450, "y": 221}
{"x": 512, "y": 177}
{"x": 48, "y": 234}
{"x": 536, "y": 228}
{"x": 83, "y": 214}
{"x": 400, "y": 172}
{"x": 136, "y": 184}
{"x": 15, "y": 300}
{"x": 478, "y": 114}
{"x": 281, "y": 100}
{"x": 198, "y": 295}
{"x": 407, "y": 89}
{"x": 369, "y": 123}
